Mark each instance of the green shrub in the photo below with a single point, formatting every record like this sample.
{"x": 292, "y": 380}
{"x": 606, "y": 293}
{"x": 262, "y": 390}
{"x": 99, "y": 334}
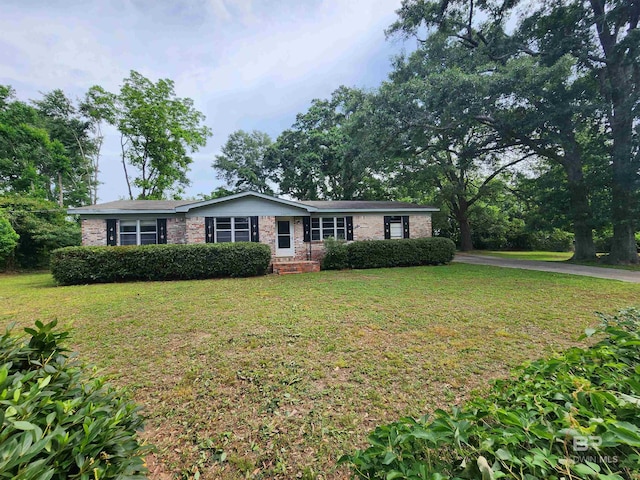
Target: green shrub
{"x": 576, "y": 415}
{"x": 391, "y": 253}
{"x": 335, "y": 255}
{"x": 42, "y": 226}
{"x": 80, "y": 265}
{"x": 554, "y": 241}
{"x": 8, "y": 239}
{"x": 604, "y": 240}
{"x": 59, "y": 422}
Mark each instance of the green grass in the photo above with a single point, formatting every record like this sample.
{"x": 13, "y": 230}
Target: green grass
{"x": 280, "y": 375}
{"x": 537, "y": 255}
{"x": 551, "y": 257}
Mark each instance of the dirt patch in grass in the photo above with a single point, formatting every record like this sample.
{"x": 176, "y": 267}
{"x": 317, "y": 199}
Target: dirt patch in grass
{"x": 277, "y": 377}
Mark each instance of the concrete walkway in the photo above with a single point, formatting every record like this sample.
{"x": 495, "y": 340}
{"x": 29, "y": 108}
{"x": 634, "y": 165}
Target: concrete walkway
{"x": 556, "y": 267}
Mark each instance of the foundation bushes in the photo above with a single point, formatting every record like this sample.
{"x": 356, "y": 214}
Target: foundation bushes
{"x": 58, "y": 419}
{"x": 81, "y": 265}
{"x": 388, "y": 253}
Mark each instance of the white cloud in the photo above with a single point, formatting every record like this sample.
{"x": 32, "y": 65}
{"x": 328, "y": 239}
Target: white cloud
{"x": 247, "y": 64}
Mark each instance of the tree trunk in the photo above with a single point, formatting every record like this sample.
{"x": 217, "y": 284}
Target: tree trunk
{"x": 618, "y": 84}
{"x": 625, "y": 177}
{"x": 466, "y": 243}
{"x": 60, "y": 194}
{"x": 581, "y": 214}
{"x": 461, "y": 212}
{"x": 124, "y": 166}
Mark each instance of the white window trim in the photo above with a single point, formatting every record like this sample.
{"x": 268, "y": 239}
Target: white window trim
{"x": 233, "y": 229}
{"x": 321, "y": 229}
{"x": 396, "y": 222}
{"x": 138, "y": 231}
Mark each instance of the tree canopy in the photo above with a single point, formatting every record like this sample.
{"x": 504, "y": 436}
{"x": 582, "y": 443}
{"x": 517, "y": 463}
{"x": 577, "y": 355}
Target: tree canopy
{"x": 600, "y": 40}
{"x": 158, "y": 132}
{"x": 242, "y": 163}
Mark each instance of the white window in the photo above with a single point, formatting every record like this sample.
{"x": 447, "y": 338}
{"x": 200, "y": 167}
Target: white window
{"x": 395, "y": 228}
{"x": 138, "y": 232}
{"x": 325, "y": 227}
{"x": 232, "y": 229}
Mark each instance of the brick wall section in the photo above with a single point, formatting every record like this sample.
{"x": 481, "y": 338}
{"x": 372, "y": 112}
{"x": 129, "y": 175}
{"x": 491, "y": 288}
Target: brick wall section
{"x": 369, "y": 227}
{"x": 94, "y": 232}
{"x": 267, "y": 232}
{"x": 176, "y": 230}
{"x": 301, "y": 248}
{"x": 420, "y": 226}
{"x": 194, "y": 230}
{"x": 317, "y": 251}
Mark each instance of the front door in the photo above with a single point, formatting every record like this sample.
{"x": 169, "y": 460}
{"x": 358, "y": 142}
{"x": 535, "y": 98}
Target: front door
{"x": 284, "y": 237}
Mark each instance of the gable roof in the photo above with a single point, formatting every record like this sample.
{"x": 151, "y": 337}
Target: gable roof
{"x": 263, "y": 196}
{"x": 309, "y": 206}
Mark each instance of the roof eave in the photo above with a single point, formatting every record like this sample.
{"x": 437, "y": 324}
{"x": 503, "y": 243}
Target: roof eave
{"x": 377, "y": 210}
{"x": 118, "y": 211}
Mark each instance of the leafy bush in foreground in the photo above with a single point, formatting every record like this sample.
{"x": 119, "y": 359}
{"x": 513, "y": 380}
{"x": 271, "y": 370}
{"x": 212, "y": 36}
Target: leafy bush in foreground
{"x": 389, "y": 253}
{"x": 576, "y": 415}
{"x": 57, "y": 422}
{"x": 80, "y": 265}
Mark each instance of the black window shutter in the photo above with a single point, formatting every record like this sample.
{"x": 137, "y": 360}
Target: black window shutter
{"x": 112, "y": 236}
{"x": 349, "y": 222}
{"x": 162, "y": 230}
{"x": 387, "y": 228}
{"x": 306, "y": 226}
{"x": 255, "y": 232}
{"x": 405, "y": 226}
{"x": 209, "y": 233}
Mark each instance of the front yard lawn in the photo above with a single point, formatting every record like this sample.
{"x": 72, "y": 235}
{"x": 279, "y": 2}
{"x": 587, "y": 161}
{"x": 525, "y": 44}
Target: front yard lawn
{"x": 543, "y": 256}
{"x": 278, "y": 376}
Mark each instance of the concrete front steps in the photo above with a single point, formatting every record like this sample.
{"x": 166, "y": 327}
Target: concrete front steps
{"x": 295, "y": 266}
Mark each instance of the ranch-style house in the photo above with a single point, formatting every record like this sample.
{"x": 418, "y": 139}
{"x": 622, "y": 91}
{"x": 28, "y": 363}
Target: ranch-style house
{"x": 294, "y": 230}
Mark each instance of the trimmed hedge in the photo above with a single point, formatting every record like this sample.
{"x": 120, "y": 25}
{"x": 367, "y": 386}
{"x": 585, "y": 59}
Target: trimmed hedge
{"x": 389, "y": 253}
{"x": 58, "y": 419}
{"x": 81, "y": 265}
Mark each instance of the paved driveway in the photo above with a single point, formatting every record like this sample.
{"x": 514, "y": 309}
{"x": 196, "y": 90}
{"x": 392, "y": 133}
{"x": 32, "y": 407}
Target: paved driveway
{"x": 556, "y": 267}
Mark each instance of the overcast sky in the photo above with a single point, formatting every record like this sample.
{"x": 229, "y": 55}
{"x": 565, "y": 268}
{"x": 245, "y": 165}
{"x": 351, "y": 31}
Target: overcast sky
{"x": 247, "y": 64}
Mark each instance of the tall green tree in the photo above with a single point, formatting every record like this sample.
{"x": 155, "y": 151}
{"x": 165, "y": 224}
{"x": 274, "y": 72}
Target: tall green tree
{"x": 602, "y": 39}
{"x": 158, "y": 132}
{"x": 423, "y": 125}
{"x": 71, "y": 166}
{"x": 323, "y": 155}
{"x": 31, "y": 163}
{"x": 242, "y": 163}
{"x": 98, "y": 107}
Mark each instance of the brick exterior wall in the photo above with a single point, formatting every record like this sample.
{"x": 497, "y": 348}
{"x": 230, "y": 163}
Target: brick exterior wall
{"x": 94, "y": 232}
{"x": 267, "y": 232}
{"x": 176, "y": 230}
{"x": 371, "y": 227}
{"x": 301, "y": 248}
{"x": 420, "y": 226}
{"x": 194, "y": 230}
